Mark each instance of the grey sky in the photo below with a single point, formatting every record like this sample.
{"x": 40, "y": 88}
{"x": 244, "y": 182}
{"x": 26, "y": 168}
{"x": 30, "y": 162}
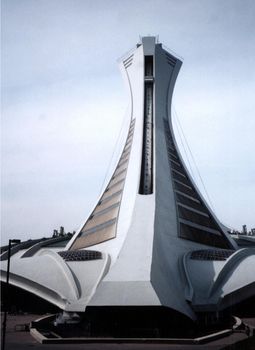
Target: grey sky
{"x": 63, "y": 102}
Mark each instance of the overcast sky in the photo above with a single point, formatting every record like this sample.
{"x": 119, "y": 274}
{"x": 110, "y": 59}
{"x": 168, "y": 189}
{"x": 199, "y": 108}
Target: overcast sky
{"x": 64, "y": 102}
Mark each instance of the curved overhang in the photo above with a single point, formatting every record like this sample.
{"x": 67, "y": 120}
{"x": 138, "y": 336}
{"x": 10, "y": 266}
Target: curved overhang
{"x": 217, "y": 279}
{"x": 67, "y": 284}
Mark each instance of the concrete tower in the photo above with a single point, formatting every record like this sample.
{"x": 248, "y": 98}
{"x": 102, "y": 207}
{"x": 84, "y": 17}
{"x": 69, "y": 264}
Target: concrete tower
{"x": 151, "y": 239}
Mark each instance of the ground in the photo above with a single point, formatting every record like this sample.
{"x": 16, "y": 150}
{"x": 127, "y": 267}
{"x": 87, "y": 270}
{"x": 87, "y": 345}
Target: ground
{"x": 18, "y": 339}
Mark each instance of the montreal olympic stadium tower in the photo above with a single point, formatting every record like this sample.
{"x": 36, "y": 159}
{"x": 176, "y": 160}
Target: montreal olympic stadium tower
{"x": 151, "y": 240}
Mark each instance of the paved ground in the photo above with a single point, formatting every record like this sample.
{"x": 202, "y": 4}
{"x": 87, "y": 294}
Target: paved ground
{"x": 19, "y": 340}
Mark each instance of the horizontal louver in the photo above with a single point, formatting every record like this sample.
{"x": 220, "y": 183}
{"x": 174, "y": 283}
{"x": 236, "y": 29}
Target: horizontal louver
{"x": 195, "y": 221}
{"x": 101, "y": 225}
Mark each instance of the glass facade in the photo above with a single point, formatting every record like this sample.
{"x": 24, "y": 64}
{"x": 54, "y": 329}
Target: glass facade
{"x": 101, "y": 225}
{"x": 195, "y": 221}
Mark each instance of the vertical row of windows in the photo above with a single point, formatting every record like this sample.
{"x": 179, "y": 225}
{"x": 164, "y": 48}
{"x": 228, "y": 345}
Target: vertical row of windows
{"x": 101, "y": 225}
{"x": 195, "y": 221}
{"x": 146, "y": 180}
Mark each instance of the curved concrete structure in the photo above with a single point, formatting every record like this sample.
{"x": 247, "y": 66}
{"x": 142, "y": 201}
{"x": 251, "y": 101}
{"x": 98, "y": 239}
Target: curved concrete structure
{"x": 154, "y": 239}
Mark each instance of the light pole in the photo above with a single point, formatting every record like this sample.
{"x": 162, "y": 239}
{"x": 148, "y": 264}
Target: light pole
{"x": 6, "y": 298}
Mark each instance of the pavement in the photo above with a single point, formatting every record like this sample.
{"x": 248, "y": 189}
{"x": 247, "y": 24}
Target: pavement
{"x": 17, "y": 338}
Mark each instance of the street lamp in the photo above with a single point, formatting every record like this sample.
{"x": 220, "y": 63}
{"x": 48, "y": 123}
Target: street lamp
{"x": 6, "y": 299}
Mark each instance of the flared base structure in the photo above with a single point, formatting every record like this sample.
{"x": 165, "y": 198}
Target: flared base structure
{"x": 151, "y": 240}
